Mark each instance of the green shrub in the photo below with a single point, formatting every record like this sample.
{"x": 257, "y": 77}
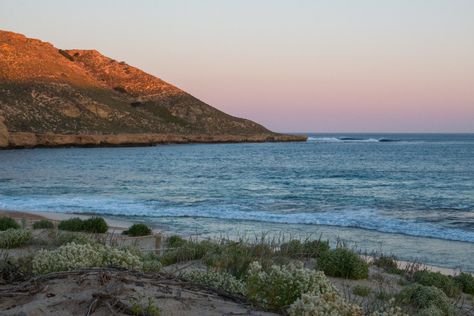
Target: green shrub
{"x": 218, "y": 280}
{"x": 204, "y": 247}
{"x": 315, "y": 248}
{"x": 279, "y": 286}
{"x": 95, "y": 225}
{"x": 465, "y": 282}
{"x": 14, "y": 238}
{"x": 175, "y": 241}
{"x": 137, "y": 230}
{"x": 7, "y": 223}
{"x": 90, "y": 225}
{"x": 43, "y": 224}
{"x": 76, "y": 256}
{"x": 389, "y": 309}
{"x": 62, "y": 238}
{"x": 436, "y": 279}
{"x": 307, "y": 249}
{"x": 344, "y": 263}
{"x": 328, "y": 304}
{"x": 235, "y": 257}
{"x": 144, "y": 306}
{"x": 422, "y": 298}
{"x": 430, "y": 311}
{"x": 151, "y": 263}
{"x": 361, "y": 290}
{"x": 73, "y": 224}
{"x": 152, "y": 266}
{"x": 189, "y": 250}
{"x": 292, "y": 249}
{"x": 180, "y": 254}
{"x": 388, "y": 263}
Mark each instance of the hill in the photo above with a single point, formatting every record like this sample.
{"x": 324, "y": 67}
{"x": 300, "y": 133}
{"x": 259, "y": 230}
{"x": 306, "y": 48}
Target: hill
{"x": 55, "y": 97}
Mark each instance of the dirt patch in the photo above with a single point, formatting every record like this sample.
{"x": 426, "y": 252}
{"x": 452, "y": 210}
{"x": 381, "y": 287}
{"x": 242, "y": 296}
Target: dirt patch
{"x": 119, "y": 292}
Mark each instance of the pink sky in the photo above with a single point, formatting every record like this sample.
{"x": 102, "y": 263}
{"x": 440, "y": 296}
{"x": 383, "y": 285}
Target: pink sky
{"x": 323, "y": 66}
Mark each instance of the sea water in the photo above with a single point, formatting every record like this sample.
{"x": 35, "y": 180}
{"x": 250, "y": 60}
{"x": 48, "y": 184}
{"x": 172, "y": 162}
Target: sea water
{"x": 411, "y": 195}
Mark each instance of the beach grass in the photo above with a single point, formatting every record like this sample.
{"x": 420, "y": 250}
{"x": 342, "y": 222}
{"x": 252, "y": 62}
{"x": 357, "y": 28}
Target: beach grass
{"x": 277, "y": 274}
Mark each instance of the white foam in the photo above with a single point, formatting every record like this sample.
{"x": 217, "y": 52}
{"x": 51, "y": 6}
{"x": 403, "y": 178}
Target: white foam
{"x": 364, "y": 219}
{"x": 323, "y": 139}
{"x": 343, "y": 139}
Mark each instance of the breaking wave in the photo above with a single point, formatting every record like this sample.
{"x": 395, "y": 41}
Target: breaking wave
{"x": 350, "y": 139}
{"x": 368, "y": 219}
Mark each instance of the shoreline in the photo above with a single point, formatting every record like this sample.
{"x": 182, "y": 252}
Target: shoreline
{"x": 19, "y": 140}
{"x": 121, "y": 225}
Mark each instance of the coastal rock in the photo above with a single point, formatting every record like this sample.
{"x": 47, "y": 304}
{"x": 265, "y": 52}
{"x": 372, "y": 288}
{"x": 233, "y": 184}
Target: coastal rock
{"x": 55, "y": 97}
{"x": 28, "y": 140}
{"x": 3, "y": 134}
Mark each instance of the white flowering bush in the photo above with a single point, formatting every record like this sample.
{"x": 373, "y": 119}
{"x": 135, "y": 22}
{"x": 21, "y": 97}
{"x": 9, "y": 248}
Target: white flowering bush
{"x": 280, "y": 286}
{"x": 219, "y": 280}
{"x": 68, "y": 257}
{"x": 13, "y": 238}
{"x": 151, "y": 265}
{"x": 76, "y": 256}
{"x": 150, "y": 261}
{"x": 326, "y": 304}
{"x": 114, "y": 257}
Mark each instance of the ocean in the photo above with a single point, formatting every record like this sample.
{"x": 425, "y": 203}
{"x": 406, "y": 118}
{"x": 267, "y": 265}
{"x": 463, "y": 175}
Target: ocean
{"x": 411, "y": 195}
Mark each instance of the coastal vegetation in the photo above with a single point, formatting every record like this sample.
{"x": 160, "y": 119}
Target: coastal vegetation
{"x": 76, "y": 256}
{"x": 465, "y": 282}
{"x": 304, "y": 249}
{"x": 7, "y": 223}
{"x": 344, "y": 263}
{"x": 13, "y": 238}
{"x": 438, "y": 280}
{"x": 43, "y": 224}
{"x": 388, "y": 263}
{"x": 144, "y": 306}
{"x": 280, "y": 275}
{"x": 218, "y": 280}
{"x": 90, "y": 225}
{"x": 282, "y": 285}
{"x": 137, "y": 230}
{"x": 73, "y": 224}
{"x": 426, "y": 300}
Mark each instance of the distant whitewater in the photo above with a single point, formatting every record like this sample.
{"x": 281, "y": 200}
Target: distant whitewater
{"x": 404, "y": 189}
{"x": 350, "y": 139}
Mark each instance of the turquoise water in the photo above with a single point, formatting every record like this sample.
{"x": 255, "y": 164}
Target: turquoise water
{"x": 409, "y": 194}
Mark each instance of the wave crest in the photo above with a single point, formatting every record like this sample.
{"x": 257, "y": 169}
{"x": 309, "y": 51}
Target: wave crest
{"x": 344, "y": 139}
{"x": 368, "y": 219}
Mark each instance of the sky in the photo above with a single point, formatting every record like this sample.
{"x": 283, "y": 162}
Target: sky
{"x": 293, "y": 66}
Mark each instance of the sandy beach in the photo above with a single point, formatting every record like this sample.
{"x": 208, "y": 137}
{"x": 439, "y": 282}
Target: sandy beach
{"x": 29, "y": 216}
{"x": 120, "y": 225}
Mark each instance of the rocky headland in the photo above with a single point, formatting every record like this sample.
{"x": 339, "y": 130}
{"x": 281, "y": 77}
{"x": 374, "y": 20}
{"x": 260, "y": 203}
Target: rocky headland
{"x": 51, "y": 97}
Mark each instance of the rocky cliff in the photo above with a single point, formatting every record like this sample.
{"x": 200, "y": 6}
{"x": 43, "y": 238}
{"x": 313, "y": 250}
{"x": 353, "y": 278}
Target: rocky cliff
{"x": 54, "y": 97}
